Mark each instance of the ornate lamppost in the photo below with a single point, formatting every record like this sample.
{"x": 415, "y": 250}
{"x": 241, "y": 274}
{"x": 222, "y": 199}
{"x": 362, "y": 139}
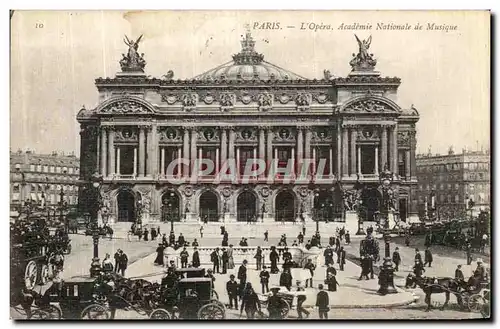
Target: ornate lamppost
{"x": 356, "y": 194}
{"x": 94, "y": 187}
{"x": 386, "y": 275}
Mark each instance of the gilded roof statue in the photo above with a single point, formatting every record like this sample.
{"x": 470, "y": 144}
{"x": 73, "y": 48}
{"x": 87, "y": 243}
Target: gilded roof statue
{"x": 133, "y": 61}
{"x": 363, "y": 61}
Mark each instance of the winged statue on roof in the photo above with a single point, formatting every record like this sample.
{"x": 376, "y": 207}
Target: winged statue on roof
{"x": 363, "y": 60}
{"x": 133, "y": 61}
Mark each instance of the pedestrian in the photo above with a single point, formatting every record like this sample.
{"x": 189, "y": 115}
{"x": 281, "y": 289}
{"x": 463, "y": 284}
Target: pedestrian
{"x": 428, "y": 257}
{"x": 347, "y": 237}
{"x": 480, "y": 271}
{"x": 328, "y": 254}
{"x": 159, "y": 255}
{"x": 286, "y": 279}
{"x": 225, "y": 260}
{"x": 396, "y": 259}
{"x": 184, "y": 257}
{"x": 301, "y": 298}
{"x": 264, "y": 279}
{"x": 365, "y": 267}
{"x": 331, "y": 281}
{"x": 418, "y": 268}
{"x": 304, "y": 228}
{"x": 484, "y": 241}
{"x": 158, "y": 231}
{"x": 196, "y": 258}
{"x": 205, "y": 220}
{"x": 274, "y": 258}
{"x": 139, "y": 234}
{"x": 308, "y": 245}
{"x": 181, "y": 240}
{"x": 274, "y": 304}
{"x": 469, "y": 254}
{"x": 201, "y": 231}
{"x": 242, "y": 276}
{"x": 195, "y": 243}
{"x": 459, "y": 275}
{"x": 311, "y": 267}
{"x": 258, "y": 258}
{"x": 232, "y": 292}
{"x": 427, "y": 240}
{"x": 117, "y": 257}
{"x": 337, "y": 243}
{"x": 294, "y": 244}
{"x": 225, "y": 239}
{"x": 250, "y": 302}
{"x": 418, "y": 256}
{"x": 266, "y": 235}
{"x": 164, "y": 240}
{"x": 122, "y": 262}
{"x": 171, "y": 238}
{"x": 153, "y": 234}
{"x": 300, "y": 237}
{"x": 146, "y": 234}
{"x": 407, "y": 239}
{"x": 331, "y": 241}
{"x": 230, "y": 261}
{"x": 107, "y": 265}
{"x": 341, "y": 258}
{"x": 322, "y": 302}
{"x": 214, "y": 258}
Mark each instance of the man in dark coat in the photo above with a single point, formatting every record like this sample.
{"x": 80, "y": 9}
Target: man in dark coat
{"x": 196, "y": 257}
{"x": 341, "y": 258}
{"x": 396, "y": 259}
{"x": 274, "y": 258}
{"x": 418, "y": 256}
{"x": 122, "y": 262}
{"x": 459, "y": 275}
{"x": 181, "y": 240}
{"x": 300, "y": 237}
{"x": 195, "y": 243}
{"x": 242, "y": 276}
{"x": 117, "y": 257}
{"x": 274, "y": 305}
{"x": 331, "y": 281}
{"x": 153, "y": 234}
{"x": 428, "y": 257}
{"x": 225, "y": 239}
{"x": 264, "y": 279}
{"x": 286, "y": 279}
{"x": 250, "y": 302}
{"x": 347, "y": 237}
{"x": 164, "y": 240}
{"x": 322, "y": 302}
{"x": 328, "y": 254}
{"x": 146, "y": 234}
{"x": 171, "y": 238}
{"x": 225, "y": 260}
{"x": 159, "y": 255}
{"x": 266, "y": 235}
{"x": 214, "y": 258}
{"x": 232, "y": 292}
{"x": 258, "y": 258}
{"x": 418, "y": 269}
{"x": 184, "y": 257}
{"x": 311, "y": 267}
{"x": 469, "y": 254}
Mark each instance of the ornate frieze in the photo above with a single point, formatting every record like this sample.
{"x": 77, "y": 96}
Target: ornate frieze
{"x": 246, "y": 135}
{"x": 322, "y": 134}
{"x": 169, "y": 135}
{"x": 227, "y": 101}
{"x": 303, "y": 101}
{"x": 265, "y": 101}
{"x": 404, "y": 138}
{"x": 170, "y": 99}
{"x": 208, "y": 134}
{"x": 189, "y": 101}
{"x": 284, "y": 135}
{"x": 368, "y": 105}
{"x": 126, "y": 106}
{"x": 368, "y": 133}
{"x": 126, "y": 134}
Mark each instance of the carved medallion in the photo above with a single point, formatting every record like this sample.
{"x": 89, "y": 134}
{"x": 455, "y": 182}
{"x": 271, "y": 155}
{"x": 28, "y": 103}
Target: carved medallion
{"x": 321, "y": 98}
{"x": 265, "y": 191}
{"x": 208, "y": 99}
{"x": 226, "y": 192}
{"x": 245, "y": 98}
{"x": 265, "y": 101}
{"x": 284, "y": 98}
{"x": 303, "y": 101}
{"x": 303, "y": 191}
{"x": 188, "y": 190}
{"x": 170, "y": 99}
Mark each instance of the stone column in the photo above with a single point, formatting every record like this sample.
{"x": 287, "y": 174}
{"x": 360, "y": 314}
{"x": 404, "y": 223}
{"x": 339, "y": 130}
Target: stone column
{"x": 238, "y": 174}
{"x": 383, "y": 152}
{"x": 269, "y": 149}
{"x": 359, "y": 160}
{"x": 142, "y": 150}
{"x": 185, "y": 152}
{"x": 104, "y": 151}
{"x": 339, "y": 151}
{"x": 194, "y": 140}
{"x": 376, "y": 160}
{"x": 135, "y": 161}
{"x": 200, "y": 156}
{"x": 300, "y": 145}
{"x": 223, "y": 145}
{"x": 262, "y": 147}
{"x": 111, "y": 151}
{"x": 179, "y": 165}
{"x": 150, "y": 155}
{"x": 232, "y": 137}
{"x": 155, "y": 149}
{"x": 353, "y": 152}
{"x": 394, "y": 150}
{"x": 293, "y": 162}
{"x": 217, "y": 166}
{"x": 413, "y": 163}
{"x": 162, "y": 160}
{"x": 118, "y": 160}
{"x": 314, "y": 161}
{"x": 407, "y": 164}
{"x": 331, "y": 161}
{"x": 345, "y": 152}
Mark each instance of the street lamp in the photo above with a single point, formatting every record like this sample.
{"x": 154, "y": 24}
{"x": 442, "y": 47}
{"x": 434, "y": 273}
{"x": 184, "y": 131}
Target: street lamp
{"x": 386, "y": 275}
{"x": 94, "y": 187}
{"x": 357, "y": 187}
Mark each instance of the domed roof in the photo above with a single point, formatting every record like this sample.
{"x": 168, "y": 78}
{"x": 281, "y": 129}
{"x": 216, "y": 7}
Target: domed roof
{"x": 248, "y": 65}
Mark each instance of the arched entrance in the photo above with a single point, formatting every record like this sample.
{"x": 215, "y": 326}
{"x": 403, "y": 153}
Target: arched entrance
{"x": 246, "y": 207}
{"x": 209, "y": 206}
{"x": 170, "y": 207}
{"x": 126, "y": 206}
{"x": 285, "y": 207}
{"x": 370, "y": 204}
{"x": 323, "y": 206}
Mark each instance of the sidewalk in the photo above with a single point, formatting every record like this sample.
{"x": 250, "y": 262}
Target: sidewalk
{"x": 350, "y": 294}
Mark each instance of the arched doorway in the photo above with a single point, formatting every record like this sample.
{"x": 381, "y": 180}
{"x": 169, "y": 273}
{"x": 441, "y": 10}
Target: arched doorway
{"x": 209, "y": 206}
{"x": 246, "y": 207}
{"x": 285, "y": 207}
{"x": 126, "y": 206}
{"x": 323, "y": 206}
{"x": 170, "y": 207}
{"x": 370, "y": 204}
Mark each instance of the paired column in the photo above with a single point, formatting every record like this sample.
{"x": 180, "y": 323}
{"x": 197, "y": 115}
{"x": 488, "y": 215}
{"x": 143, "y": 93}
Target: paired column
{"x": 179, "y": 165}
{"x": 223, "y": 146}
{"x": 376, "y": 160}
{"x": 331, "y": 161}
{"x": 353, "y": 151}
{"x": 407, "y": 164}
{"x": 394, "y": 150}
{"x": 185, "y": 151}
{"x": 111, "y": 151}
{"x": 383, "y": 141}
{"x": 300, "y": 153}
{"x": 307, "y": 147}
{"x": 142, "y": 150}
{"x": 162, "y": 162}
{"x": 262, "y": 146}
{"x": 345, "y": 151}
{"x": 118, "y": 160}
{"x": 359, "y": 161}
{"x": 194, "y": 140}
{"x": 104, "y": 151}
{"x": 269, "y": 148}
{"x": 152, "y": 151}
{"x": 135, "y": 161}
{"x": 217, "y": 166}
{"x": 339, "y": 151}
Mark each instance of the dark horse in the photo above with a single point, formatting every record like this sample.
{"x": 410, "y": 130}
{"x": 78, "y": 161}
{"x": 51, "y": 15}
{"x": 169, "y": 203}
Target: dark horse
{"x": 435, "y": 286}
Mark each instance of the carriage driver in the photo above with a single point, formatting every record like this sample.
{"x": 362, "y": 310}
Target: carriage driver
{"x": 480, "y": 271}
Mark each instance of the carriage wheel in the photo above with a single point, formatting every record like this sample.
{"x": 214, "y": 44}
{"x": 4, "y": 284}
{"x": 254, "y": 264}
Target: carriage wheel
{"x": 211, "y": 311}
{"x": 285, "y": 308}
{"x": 215, "y": 295}
{"x": 44, "y": 275}
{"x": 486, "y": 310}
{"x": 30, "y": 275}
{"x": 475, "y": 303}
{"x": 51, "y": 312}
{"x": 95, "y": 312}
{"x": 160, "y": 314}
{"x": 219, "y": 303}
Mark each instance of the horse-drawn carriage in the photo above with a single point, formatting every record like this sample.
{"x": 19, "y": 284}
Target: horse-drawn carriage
{"x": 288, "y": 301}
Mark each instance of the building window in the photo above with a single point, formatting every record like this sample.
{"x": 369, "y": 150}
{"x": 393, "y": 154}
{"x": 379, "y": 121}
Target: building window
{"x": 70, "y": 170}
{"x": 58, "y": 169}
{"x": 456, "y": 186}
{"x": 39, "y": 168}
{"x": 471, "y": 187}
{"x": 402, "y": 163}
{"x": 32, "y": 167}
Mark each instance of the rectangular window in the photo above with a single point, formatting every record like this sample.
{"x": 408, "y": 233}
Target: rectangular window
{"x": 246, "y": 156}
{"x": 70, "y": 170}
{"x": 58, "y": 169}
{"x": 39, "y": 168}
{"x": 284, "y": 154}
{"x": 401, "y": 163}
{"x": 32, "y": 167}
{"x": 323, "y": 155}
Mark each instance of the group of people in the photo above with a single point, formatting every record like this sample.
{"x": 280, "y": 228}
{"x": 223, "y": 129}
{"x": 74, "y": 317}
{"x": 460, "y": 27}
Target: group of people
{"x": 121, "y": 262}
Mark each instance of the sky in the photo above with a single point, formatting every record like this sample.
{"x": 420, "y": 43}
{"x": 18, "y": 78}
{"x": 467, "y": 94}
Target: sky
{"x": 57, "y": 55}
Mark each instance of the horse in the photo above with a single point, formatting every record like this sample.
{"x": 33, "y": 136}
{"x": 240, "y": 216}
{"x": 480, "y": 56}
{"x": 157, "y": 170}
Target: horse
{"x": 431, "y": 286}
